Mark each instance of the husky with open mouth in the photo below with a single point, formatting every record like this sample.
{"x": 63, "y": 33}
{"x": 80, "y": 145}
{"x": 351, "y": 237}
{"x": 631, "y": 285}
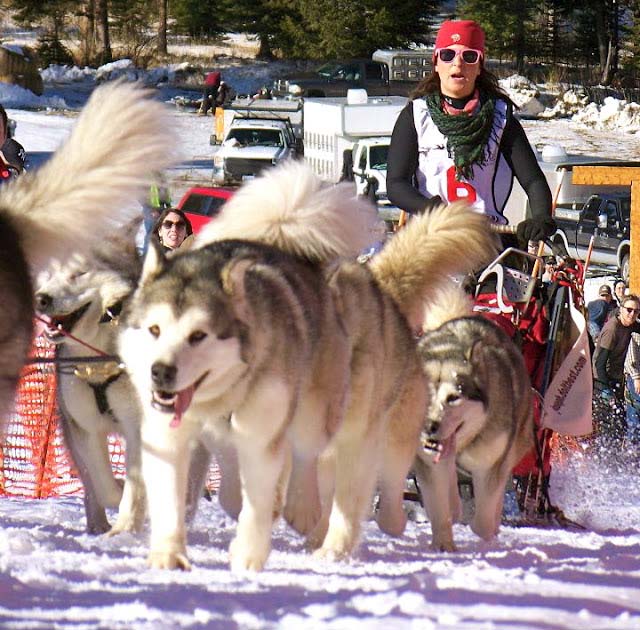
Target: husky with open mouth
{"x": 271, "y": 319}
{"x": 85, "y": 191}
{"x": 79, "y": 304}
{"x": 479, "y": 418}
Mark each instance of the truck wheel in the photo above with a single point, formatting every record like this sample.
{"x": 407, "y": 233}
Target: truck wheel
{"x": 624, "y": 268}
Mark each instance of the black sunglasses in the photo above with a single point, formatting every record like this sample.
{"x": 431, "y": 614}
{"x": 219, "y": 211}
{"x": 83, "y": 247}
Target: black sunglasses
{"x": 629, "y": 309}
{"x": 179, "y": 225}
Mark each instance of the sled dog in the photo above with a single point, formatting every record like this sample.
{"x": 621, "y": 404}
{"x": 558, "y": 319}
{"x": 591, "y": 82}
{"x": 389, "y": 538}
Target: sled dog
{"x": 80, "y": 302}
{"x": 87, "y": 189}
{"x": 271, "y": 319}
{"x": 480, "y": 413}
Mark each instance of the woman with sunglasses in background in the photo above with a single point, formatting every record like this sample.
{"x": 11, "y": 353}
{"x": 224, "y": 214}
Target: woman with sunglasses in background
{"x": 172, "y": 228}
{"x": 457, "y": 139}
{"x": 609, "y": 369}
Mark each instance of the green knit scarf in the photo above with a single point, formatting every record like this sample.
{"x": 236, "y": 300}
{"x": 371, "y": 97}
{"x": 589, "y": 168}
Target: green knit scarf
{"x": 467, "y": 134}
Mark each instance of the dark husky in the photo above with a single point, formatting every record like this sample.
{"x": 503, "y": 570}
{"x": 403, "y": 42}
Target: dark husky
{"x": 481, "y": 416}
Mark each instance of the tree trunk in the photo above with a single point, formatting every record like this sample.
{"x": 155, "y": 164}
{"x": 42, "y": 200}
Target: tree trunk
{"x": 102, "y": 31}
{"x": 162, "y": 26}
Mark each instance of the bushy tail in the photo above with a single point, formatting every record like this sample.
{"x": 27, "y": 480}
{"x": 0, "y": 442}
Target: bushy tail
{"x": 95, "y": 181}
{"x": 428, "y": 250}
{"x": 289, "y": 207}
{"x": 447, "y": 302}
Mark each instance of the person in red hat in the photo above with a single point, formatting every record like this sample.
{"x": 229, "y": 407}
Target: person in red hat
{"x": 457, "y": 139}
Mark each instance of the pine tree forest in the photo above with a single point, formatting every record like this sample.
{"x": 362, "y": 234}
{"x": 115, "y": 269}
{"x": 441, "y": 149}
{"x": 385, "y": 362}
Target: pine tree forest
{"x": 591, "y": 41}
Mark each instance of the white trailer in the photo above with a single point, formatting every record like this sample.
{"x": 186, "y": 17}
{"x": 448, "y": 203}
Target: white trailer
{"x": 332, "y": 126}
{"x": 557, "y": 166}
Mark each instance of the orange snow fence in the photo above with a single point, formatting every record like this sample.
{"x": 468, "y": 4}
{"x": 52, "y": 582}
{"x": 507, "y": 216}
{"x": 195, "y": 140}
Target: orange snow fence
{"x": 34, "y": 462}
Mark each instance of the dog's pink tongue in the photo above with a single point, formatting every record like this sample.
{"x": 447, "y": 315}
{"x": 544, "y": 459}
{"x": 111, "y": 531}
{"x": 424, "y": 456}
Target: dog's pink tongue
{"x": 183, "y": 400}
{"x": 42, "y": 323}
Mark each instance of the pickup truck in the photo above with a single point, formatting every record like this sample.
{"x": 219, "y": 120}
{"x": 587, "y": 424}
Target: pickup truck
{"x": 606, "y": 217}
{"x": 387, "y": 73}
{"x": 251, "y": 145}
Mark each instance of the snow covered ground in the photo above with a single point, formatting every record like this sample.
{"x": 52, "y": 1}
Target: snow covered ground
{"x": 54, "y": 576}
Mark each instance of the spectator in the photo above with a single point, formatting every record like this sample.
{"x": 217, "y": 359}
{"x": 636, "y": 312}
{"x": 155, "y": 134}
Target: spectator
{"x": 172, "y": 228}
{"x": 225, "y": 94}
{"x": 549, "y": 269}
{"x": 459, "y": 139}
{"x": 608, "y": 367}
{"x": 632, "y": 390}
{"x": 209, "y": 92}
{"x": 620, "y": 289}
{"x": 12, "y": 153}
{"x": 598, "y": 311}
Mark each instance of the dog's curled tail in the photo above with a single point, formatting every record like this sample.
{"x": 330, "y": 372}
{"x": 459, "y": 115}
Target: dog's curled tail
{"x": 428, "y": 250}
{"x": 291, "y": 208}
{"x": 445, "y": 303}
{"x": 96, "y": 180}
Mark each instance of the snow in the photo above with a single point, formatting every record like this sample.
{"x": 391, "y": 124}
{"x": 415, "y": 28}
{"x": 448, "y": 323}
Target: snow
{"x": 54, "y": 576}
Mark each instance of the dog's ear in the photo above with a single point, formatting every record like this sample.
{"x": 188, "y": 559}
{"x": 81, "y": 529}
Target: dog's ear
{"x": 233, "y": 284}
{"x": 154, "y": 262}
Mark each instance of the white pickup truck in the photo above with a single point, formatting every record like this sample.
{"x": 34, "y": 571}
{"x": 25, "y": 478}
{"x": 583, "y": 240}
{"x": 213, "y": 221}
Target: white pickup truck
{"x": 250, "y": 145}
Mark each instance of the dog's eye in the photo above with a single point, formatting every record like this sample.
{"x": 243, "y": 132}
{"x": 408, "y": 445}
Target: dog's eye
{"x": 196, "y": 337}
{"x": 155, "y": 331}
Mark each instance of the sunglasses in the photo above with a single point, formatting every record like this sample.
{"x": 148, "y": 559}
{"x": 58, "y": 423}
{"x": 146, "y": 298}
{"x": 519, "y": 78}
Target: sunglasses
{"x": 469, "y": 55}
{"x": 179, "y": 225}
{"x": 631, "y": 310}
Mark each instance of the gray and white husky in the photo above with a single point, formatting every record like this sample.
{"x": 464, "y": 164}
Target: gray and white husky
{"x": 480, "y": 413}
{"x": 271, "y": 319}
{"x": 80, "y": 302}
{"x": 85, "y": 191}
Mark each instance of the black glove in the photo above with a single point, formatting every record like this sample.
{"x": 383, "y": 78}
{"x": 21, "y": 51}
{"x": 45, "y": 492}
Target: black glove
{"x": 535, "y": 229}
{"x": 432, "y": 202}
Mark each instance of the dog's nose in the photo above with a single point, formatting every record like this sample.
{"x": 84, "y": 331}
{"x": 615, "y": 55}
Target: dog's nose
{"x": 43, "y": 302}
{"x": 433, "y": 427}
{"x": 163, "y": 375}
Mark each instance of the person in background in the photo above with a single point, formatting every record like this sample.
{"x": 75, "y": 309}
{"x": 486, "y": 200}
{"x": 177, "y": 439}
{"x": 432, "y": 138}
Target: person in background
{"x": 12, "y": 153}
{"x": 457, "y": 139}
{"x": 598, "y": 311}
{"x": 619, "y": 289}
{"x": 608, "y": 368}
{"x": 632, "y": 390}
{"x": 209, "y": 92}
{"x": 225, "y": 93}
{"x": 172, "y": 228}
{"x": 549, "y": 268}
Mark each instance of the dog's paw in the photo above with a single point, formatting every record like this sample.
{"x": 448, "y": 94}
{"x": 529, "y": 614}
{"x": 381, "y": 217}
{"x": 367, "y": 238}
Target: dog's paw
{"x": 126, "y": 524}
{"x": 169, "y": 560}
{"x": 303, "y": 516}
{"x": 443, "y": 543}
{"x": 245, "y": 558}
{"x": 331, "y": 555}
{"x": 392, "y": 522}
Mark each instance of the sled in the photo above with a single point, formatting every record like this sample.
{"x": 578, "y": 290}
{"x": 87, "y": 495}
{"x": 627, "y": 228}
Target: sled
{"x": 539, "y": 317}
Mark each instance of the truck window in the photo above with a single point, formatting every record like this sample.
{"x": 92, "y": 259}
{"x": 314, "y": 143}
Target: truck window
{"x": 373, "y": 71}
{"x": 612, "y": 212}
{"x": 625, "y": 209}
{"x": 259, "y": 137}
{"x": 590, "y": 212}
{"x": 348, "y": 73}
{"x": 379, "y": 157}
